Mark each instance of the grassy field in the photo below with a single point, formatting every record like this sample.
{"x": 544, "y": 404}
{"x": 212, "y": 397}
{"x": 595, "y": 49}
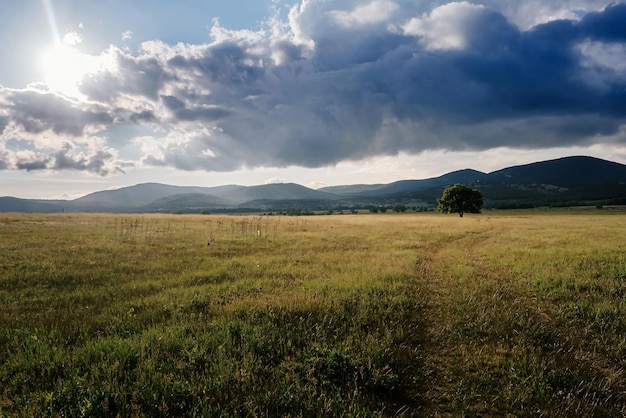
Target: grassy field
{"x": 499, "y": 314}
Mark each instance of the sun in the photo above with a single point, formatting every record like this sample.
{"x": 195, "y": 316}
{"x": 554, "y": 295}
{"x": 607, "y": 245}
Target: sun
{"x": 64, "y": 68}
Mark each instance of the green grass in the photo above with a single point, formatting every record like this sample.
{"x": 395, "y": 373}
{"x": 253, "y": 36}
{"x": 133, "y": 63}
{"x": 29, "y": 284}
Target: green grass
{"x": 504, "y": 313}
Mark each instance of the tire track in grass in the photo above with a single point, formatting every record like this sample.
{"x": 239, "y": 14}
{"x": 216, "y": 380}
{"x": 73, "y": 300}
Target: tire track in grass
{"x": 474, "y": 312}
{"x": 550, "y": 369}
{"x": 492, "y": 347}
{"x": 441, "y": 369}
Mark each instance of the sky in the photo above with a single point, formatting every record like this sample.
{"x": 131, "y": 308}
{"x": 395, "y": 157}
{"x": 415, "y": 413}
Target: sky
{"x": 102, "y": 94}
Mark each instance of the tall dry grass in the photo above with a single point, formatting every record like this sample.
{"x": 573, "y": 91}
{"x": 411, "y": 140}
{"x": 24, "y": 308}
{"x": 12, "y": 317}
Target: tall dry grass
{"x": 518, "y": 313}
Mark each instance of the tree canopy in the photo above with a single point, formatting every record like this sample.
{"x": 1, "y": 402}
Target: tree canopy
{"x": 460, "y": 199}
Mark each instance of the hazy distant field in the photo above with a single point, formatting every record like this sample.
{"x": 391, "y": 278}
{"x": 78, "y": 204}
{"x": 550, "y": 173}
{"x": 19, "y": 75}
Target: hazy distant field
{"x": 520, "y": 313}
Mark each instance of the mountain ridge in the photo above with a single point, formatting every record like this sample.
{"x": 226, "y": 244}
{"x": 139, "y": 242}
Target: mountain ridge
{"x": 568, "y": 180}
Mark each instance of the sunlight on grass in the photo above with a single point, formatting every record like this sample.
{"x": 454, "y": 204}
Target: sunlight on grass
{"x": 518, "y": 313}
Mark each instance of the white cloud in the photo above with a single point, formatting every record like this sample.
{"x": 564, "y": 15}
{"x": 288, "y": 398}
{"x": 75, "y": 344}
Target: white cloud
{"x": 529, "y": 13}
{"x": 446, "y": 27}
{"x": 610, "y": 56}
{"x": 274, "y": 180}
{"x": 72, "y": 38}
{"x": 375, "y": 12}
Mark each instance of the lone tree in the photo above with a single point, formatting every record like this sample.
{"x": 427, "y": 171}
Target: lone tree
{"x": 460, "y": 199}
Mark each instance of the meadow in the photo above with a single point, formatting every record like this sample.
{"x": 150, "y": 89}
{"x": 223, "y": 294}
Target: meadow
{"x": 519, "y": 313}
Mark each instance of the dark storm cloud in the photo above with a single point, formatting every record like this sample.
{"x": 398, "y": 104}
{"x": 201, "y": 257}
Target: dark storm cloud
{"x": 100, "y": 162}
{"x": 50, "y": 132}
{"x": 607, "y": 26}
{"x": 203, "y": 112}
{"x": 37, "y": 112}
{"x": 227, "y": 63}
{"x": 4, "y": 121}
{"x": 349, "y": 80}
{"x": 538, "y": 72}
{"x": 143, "y": 116}
{"x": 96, "y": 163}
{"x": 361, "y": 92}
{"x": 33, "y": 165}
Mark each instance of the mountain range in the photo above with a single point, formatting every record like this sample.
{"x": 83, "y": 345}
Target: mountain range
{"x": 569, "y": 181}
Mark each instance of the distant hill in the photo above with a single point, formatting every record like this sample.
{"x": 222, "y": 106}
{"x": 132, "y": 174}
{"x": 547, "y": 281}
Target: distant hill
{"x": 569, "y": 172}
{"x": 13, "y": 204}
{"x": 568, "y": 181}
{"x": 565, "y": 181}
{"x": 277, "y": 191}
{"x": 187, "y": 201}
{"x": 351, "y": 189}
{"x": 146, "y": 193}
{"x": 403, "y": 186}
